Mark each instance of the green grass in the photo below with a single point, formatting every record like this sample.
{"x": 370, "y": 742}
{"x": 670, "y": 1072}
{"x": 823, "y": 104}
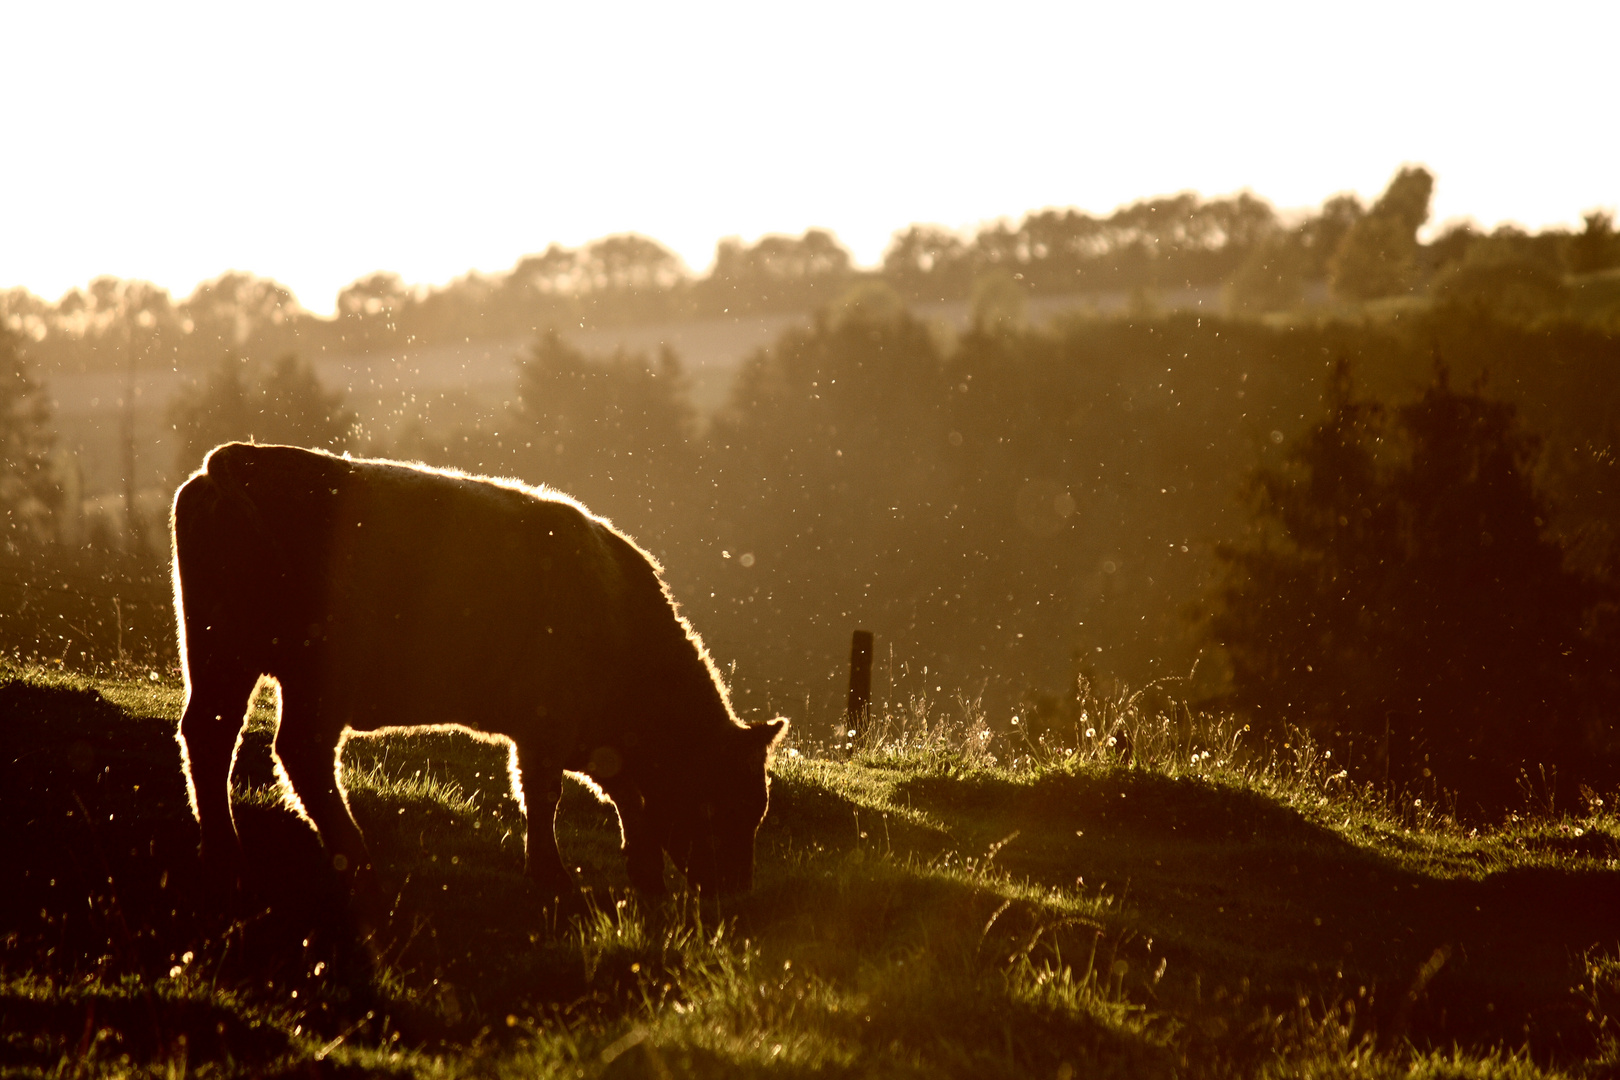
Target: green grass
{"x": 1150, "y": 897}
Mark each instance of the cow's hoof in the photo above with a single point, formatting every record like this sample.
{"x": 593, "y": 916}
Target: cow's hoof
{"x": 560, "y": 907}
{"x": 366, "y": 893}
{"x": 224, "y": 872}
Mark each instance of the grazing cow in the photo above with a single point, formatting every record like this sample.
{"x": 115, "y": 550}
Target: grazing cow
{"x": 380, "y": 594}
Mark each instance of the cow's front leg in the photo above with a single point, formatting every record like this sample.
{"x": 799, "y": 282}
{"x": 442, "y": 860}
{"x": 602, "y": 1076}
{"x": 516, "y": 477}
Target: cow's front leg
{"x": 216, "y": 710}
{"x": 308, "y": 753}
{"x": 643, "y": 842}
{"x": 542, "y": 779}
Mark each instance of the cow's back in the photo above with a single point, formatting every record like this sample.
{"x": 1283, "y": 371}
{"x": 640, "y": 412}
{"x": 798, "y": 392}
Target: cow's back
{"x": 399, "y": 594}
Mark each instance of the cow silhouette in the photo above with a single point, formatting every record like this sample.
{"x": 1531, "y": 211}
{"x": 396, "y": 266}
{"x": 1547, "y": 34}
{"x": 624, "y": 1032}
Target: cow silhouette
{"x": 381, "y": 594}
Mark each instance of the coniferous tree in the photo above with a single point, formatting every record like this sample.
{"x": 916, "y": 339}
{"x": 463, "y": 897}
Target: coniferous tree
{"x": 1378, "y": 256}
{"x": 285, "y": 403}
{"x": 28, "y": 491}
{"x": 1403, "y": 599}
{"x": 618, "y": 432}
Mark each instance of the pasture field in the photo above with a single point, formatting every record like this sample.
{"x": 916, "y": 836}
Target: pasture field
{"x": 1150, "y": 899}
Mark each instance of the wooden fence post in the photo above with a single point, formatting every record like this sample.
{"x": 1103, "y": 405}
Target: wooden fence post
{"x": 860, "y": 680}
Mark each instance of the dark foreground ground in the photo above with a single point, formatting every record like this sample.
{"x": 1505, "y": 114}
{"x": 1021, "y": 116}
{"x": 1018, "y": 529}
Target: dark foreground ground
{"x": 918, "y": 911}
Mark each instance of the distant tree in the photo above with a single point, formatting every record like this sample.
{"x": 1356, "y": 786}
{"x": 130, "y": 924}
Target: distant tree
{"x": 926, "y": 262}
{"x": 240, "y": 313}
{"x": 1509, "y": 276}
{"x": 535, "y": 293}
{"x": 280, "y": 403}
{"x": 1596, "y": 247}
{"x": 111, "y": 309}
{"x": 620, "y": 401}
{"x": 28, "y": 491}
{"x": 1000, "y": 303}
{"x": 832, "y": 428}
{"x": 25, "y": 314}
{"x": 617, "y": 431}
{"x": 1402, "y": 597}
{"x": 628, "y": 263}
{"x": 472, "y": 306}
{"x": 1175, "y": 241}
{"x": 1321, "y": 234}
{"x": 1272, "y": 278}
{"x": 382, "y": 294}
{"x": 777, "y": 273}
{"x": 551, "y": 273}
{"x": 1452, "y": 246}
{"x": 1378, "y": 256}
{"x": 372, "y": 310}
{"x": 297, "y": 408}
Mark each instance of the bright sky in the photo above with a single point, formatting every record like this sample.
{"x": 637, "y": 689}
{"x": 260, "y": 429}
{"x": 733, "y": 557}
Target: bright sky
{"x": 316, "y": 142}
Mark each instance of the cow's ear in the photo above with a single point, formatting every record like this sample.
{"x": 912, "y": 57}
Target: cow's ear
{"x": 770, "y": 732}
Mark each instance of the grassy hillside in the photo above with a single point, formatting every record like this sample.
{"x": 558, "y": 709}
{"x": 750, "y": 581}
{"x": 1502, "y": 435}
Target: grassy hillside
{"x": 1154, "y": 901}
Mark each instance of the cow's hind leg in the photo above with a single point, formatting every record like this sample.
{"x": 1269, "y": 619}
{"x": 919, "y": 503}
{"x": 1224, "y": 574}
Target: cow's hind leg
{"x": 217, "y": 703}
{"x": 643, "y": 843}
{"x": 307, "y": 750}
{"x": 541, "y": 777}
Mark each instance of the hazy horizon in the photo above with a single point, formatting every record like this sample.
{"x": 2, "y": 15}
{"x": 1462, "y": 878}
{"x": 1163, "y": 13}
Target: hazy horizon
{"x": 315, "y": 148}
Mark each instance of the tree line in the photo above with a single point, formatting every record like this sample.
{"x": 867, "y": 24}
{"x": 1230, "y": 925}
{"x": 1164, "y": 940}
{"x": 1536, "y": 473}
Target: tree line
{"x": 1342, "y": 253}
{"x": 1393, "y": 524}
{"x": 1398, "y": 534}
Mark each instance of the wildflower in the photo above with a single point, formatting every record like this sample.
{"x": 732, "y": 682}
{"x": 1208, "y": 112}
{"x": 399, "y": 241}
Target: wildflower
{"x": 1112, "y": 740}
{"x": 1091, "y": 733}
{"x": 852, "y": 733}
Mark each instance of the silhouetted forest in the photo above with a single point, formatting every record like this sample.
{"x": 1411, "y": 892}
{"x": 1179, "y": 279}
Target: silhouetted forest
{"x": 1369, "y": 488}
{"x": 1345, "y": 251}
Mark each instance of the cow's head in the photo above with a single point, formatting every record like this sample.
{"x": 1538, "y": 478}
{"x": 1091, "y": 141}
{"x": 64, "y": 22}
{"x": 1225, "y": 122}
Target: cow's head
{"x": 711, "y": 836}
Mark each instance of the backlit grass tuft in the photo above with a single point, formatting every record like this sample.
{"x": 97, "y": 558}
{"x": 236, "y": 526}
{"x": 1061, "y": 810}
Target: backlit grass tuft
{"x": 1152, "y": 893}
